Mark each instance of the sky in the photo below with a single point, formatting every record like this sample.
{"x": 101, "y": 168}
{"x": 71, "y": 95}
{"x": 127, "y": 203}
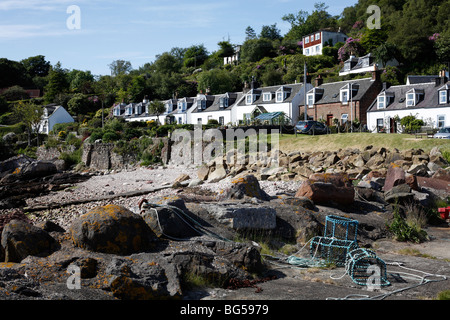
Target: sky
{"x": 98, "y": 32}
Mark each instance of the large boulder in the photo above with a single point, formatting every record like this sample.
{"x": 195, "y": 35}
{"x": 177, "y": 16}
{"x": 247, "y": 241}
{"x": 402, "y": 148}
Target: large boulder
{"x": 247, "y": 186}
{"x": 21, "y": 239}
{"x": 328, "y": 189}
{"x": 169, "y": 217}
{"x": 394, "y": 177}
{"x": 112, "y": 229}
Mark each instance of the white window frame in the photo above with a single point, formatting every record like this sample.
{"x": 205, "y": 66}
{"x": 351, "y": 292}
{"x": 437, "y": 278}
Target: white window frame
{"x": 440, "y": 123}
{"x": 318, "y": 48}
{"x": 410, "y": 102}
{"x": 224, "y": 102}
{"x": 443, "y": 97}
{"x": 344, "y": 118}
{"x": 307, "y": 51}
{"x": 318, "y": 36}
{"x": 346, "y": 93}
{"x": 278, "y": 96}
{"x": 307, "y": 40}
{"x": 382, "y": 102}
{"x": 310, "y": 100}
{"x": 267, "y": 96}
{"x": 249, "y": 99}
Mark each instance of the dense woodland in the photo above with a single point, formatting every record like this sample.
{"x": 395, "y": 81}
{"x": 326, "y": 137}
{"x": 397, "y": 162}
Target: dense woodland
{"x": 415, "y": 32}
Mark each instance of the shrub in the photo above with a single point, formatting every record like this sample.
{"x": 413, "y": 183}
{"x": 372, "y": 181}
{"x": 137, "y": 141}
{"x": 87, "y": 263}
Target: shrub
{"x": 406, "y": 230}
{"x": 110, "y": 136}
{"x": 411, "y": 123}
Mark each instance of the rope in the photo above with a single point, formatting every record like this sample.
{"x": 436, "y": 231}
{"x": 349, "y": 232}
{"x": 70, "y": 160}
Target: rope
{"x": 423, "y": 281}
{"x": 193, "y": 224}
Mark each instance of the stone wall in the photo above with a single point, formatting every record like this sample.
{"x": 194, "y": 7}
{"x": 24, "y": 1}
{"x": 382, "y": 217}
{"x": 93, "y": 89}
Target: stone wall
{"x": 101, "y": 156}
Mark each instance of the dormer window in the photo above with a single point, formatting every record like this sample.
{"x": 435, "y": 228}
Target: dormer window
{"x": 344, "y": 96}
{"x": 223, "y": 102}
{"x": 267, "y": 96}
{"x": 413, "y": 97}
{"x": 381, "y": 102}
{"x": 310, "y": 100}
{"x": 129, "y": 111}
{"x": 282, "y": 94}
{"x": 443, "y": 97}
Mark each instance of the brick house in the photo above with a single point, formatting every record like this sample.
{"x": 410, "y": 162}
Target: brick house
{"x": 313, "y": 43}
{"x": 343, "y": 100}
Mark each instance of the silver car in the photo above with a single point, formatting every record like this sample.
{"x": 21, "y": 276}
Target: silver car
{"x": 443, "y": 133}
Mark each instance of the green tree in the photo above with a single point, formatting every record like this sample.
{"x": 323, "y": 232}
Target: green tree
{"x": 13, "y": 73}
{"x": 119, "y": 67}
{"x": 81, "y": 81}
{"x": 30, "y": 115}
{"x": 270, "y": 32}
{"x": 250, "y": 33}
{"x": 195, "y": 56}
{"x": 36, "y": 66}
{"x": 256, "y": 49}
{"x": 217, "y": 81}
{"x": 226, "y": 49}
{"x": 79, "y": 104}
{"x": 15, "y": 93}
{"x": 57, "y": 83}
{"x": 156, "y": 108}
{"x": 386, "y": 52}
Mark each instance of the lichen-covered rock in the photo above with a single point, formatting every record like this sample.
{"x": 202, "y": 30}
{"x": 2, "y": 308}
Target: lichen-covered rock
{"x": 112, "y": 229}
{"x": 247, "y": 186}
{"x": 21, "y": 239}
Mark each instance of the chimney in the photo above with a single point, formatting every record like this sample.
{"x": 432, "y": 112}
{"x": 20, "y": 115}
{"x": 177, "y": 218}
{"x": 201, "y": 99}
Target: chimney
{"x": 375, "y": 75}
{"x": 318, "y": 81}
{"x": 386, "y": 85}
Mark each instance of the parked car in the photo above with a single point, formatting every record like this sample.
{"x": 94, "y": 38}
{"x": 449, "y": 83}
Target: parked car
{"x": 312, "y": 127}
{"x": 443, "y": 133}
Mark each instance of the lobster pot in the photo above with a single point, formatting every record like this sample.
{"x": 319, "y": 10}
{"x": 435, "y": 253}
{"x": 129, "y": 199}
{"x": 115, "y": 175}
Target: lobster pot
{"x": 366, "y": 269}
{"x": 341, "y": 228}
{"x": 331, "y": 250}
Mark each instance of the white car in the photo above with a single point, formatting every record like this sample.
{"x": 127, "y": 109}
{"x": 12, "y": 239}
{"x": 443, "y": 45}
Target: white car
{"x": 443, "y": 133}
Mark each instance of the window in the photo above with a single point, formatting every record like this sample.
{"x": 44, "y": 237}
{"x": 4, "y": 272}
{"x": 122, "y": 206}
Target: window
{"x": 344, "y": 118}
{"x": 381, "y": 102}
{"x": 168, "y": 107}
{"x": 247, "y": 117}
{"x": 318, "y": 49}
{"x": 443, "y": 97}
{"x": 344, "y": 96}
{"x": 306, "y": 51}
{"x": 410, "y": 99}
{"x": 199, "y": 120}
{"x": 441, "y": 121}
{"x": 380, "y": 125}
{"x": 310, "y": 100}
{"x": 312, "y": 38}
{"x": 280, "y": 96}
{"x": 224, "y": 102}
{"x": 317, "y": 36}
{"x": 221, "y": 121}
{"x": 180, "y": 120}
{"x": 249, "y": 99}
{"x": 267, "y": 96}
{"x": 306, "y": 40}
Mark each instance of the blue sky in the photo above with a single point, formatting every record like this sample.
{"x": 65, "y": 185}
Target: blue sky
{"x": 136, "y": 30}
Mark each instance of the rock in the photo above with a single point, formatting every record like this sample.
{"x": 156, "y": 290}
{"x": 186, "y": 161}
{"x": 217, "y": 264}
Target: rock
{"x": 375, "y": 162}
{"x": 442, "y": 174}
{"x": 143, "y": 277}
{"x": 399, "y": 194}
{"x": 112, "y": 229}
{"x": 21, "y": 239}
{"x": 243, "y": 216}
{"x": 170, "y": 218}
{"x": 195, "y": 183}
{"x": 419, "y": 169}
{"x": 303, "y": 202}
{"x": 411, "y": 181}
{"x": 37, "y": 169}
{"x": 247, "y": 186}
{"x": 326, "y": 193}
{"x": 369, "y": 184}
{"x": 337, "y": 179}
{"x": 218, "y": 174}
{"x": 182, "y": 177}
{"x": 395, "y": 176}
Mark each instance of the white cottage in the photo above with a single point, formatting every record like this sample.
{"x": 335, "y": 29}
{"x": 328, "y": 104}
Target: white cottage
{"x": 214, "y": 107}
{"x": 429, "y": 101}
{"x": 281, "y": 98}
{"x": 53, "y": 114}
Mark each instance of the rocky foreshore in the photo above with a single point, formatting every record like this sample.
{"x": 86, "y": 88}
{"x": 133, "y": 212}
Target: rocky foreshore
{"x": 188, "y": 223}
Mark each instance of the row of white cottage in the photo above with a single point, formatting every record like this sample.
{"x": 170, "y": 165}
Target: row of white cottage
{"x": 227, "y": 108}
{"x": 377, "y": 105}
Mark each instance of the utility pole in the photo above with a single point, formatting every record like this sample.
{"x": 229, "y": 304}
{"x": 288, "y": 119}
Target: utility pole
{"x": 304, "y": 86}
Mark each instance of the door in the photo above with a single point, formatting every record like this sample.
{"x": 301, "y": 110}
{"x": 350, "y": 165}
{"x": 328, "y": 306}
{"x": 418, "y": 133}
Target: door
{"x": 329, "y": 120}
{"x": 393, "y": 126}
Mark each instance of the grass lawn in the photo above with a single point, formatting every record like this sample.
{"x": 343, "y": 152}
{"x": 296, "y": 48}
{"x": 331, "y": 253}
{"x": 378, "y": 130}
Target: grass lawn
{"x": 334, "y": 142}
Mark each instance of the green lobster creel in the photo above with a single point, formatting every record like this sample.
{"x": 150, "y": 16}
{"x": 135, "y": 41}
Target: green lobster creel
{"x": 366, "y": 269}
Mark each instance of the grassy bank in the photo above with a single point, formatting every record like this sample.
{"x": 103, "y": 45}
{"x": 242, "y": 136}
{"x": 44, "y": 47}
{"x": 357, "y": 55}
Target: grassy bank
{"x": 334, "y": 142}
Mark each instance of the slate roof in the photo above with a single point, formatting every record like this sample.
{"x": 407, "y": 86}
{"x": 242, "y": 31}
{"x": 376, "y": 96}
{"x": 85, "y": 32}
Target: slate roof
{"x": 213, "y": 102}
{"x": 330, "y": 92}
{"x": 293, "y": 88}
{"x": 430, "y": 98}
